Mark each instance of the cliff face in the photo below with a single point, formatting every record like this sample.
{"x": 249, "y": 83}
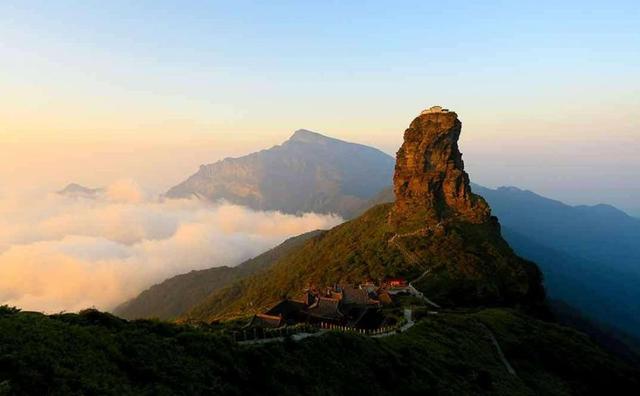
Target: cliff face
{"x": 429, "y": 180}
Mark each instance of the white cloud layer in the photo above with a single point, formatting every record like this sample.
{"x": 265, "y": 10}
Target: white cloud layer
{"x": 64, "y": 253}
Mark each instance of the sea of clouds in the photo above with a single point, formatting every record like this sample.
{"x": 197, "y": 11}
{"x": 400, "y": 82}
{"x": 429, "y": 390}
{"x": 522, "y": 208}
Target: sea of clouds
{"x": 65, "y": 253}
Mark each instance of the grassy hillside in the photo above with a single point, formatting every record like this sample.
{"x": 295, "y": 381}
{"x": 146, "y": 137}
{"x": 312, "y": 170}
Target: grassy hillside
{"x": 447, "y": 354}
{"x": 469, "y": 264}
{"x": 175, "y": 296}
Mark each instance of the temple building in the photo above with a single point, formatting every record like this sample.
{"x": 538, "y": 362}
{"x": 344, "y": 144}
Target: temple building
{"x": 353, "y": 306}
{"x": 266, "y": 321}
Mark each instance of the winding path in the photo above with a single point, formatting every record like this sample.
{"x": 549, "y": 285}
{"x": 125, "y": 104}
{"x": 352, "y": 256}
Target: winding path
{"x": 408, "y": 315}
{"x": 414, "y": 259}
{"x": 418, "y": 293}
{"x": 294, "y": 337}
{"x": 501, "y": 355}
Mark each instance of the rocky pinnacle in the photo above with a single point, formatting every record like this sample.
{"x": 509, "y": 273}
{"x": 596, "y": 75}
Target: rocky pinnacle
{"x": 430, "y": 183}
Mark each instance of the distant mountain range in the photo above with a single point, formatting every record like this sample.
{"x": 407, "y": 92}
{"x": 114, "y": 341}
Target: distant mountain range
{"x": 307, "y": 173}
{"x": 77, "y": 190}
{"x": 601, "y": 232}
{"x": 590, "y": 255}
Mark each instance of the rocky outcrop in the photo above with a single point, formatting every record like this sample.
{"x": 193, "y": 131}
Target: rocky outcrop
{"x": 430, "y": 183}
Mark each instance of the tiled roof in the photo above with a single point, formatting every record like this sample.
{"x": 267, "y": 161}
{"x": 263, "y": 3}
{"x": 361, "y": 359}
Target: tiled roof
{"x": 326, "y": 308}
{"x": 354, "y": 295}
{"x": 264, "y": 320}
{"x": 286, "y": 308}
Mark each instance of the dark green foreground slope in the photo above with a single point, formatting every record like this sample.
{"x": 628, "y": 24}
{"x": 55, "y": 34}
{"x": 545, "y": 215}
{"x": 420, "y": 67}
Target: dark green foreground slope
{"x": 447, "y": 354}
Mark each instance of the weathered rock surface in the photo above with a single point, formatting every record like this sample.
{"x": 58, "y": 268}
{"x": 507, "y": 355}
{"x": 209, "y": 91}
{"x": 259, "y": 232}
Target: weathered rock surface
{"x": 430, "y": 181}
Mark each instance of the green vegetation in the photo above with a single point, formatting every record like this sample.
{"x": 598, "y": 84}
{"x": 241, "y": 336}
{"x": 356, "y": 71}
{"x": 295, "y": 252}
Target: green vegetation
{"x": 446, "y": 354}
{"x": 470, "y": 264}
{"x": 175, "y": 296}
{"x": 535, "y": 349}
{"x": 349, "y": 252}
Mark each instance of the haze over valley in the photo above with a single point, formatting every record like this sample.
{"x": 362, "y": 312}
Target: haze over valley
{"x": 68, "y": 252}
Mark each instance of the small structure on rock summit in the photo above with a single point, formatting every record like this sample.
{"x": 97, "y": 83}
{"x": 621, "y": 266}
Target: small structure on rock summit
{"x": 435, "y": 109}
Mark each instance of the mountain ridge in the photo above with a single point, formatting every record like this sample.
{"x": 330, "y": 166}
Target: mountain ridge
{"x": 78, "y": 190}
{"x": 309, "y": 172}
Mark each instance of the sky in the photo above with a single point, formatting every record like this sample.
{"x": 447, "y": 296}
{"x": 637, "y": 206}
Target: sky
{"x": 95, "y": 91}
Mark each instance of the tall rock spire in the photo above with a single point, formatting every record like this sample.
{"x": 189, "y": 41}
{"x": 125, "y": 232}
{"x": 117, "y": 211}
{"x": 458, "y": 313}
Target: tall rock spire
{"x": 430, "y": 183}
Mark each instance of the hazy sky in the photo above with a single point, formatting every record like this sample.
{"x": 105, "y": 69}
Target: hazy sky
{"x": 549, "y": 93}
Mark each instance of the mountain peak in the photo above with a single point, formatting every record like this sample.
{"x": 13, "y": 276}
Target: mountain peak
{"x": 512, "y": 189}
{"x": 321, "y": 174}
{"x": 74, "y": 187}
{"x": 429, "y": 176}
{"x": 307, "y": 136}
{"x": 77, "y": 189}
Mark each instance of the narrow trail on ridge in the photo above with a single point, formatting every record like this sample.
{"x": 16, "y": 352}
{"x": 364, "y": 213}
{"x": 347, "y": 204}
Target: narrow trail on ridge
{"x": 415, "y": 259}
